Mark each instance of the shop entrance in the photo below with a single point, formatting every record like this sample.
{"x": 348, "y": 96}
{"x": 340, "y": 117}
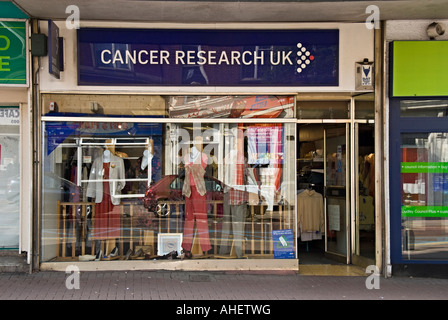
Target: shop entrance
{"x": 335, "y": 186}
{"x": 322, "y": 201}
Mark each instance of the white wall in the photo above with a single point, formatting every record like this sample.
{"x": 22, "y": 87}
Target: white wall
{"x": 356, "y": 43}
{"x": 411, "y": 30}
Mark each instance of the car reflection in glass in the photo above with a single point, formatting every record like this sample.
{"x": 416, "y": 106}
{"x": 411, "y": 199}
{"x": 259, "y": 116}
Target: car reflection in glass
{"x": 169, "y": 188}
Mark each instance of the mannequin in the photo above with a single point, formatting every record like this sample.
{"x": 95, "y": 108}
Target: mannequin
{"x": 195, "y": 198}
{"x": 106, "y": 176}
{"x": 235, "y": 196}
{"x": 144, "y": 167}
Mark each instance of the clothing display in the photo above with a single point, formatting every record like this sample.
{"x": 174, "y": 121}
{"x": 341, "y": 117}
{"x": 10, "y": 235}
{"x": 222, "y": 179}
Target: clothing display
{"x": 187, "y": 186}
{"x": 367, "y": 174}
{"x": 233, "y": 219}
{"x": 106, "y": 174}
{"x": 265, "y": 144}
{"x": 265, "y": 149}
{"x": 194, "y": 191}
{"x": 116, "y": 179}
{"x": 107, "y": 215}
{"x": 235, "y": 201}
{"x": 366, "y": 212}
{"x": 310, "y": 215}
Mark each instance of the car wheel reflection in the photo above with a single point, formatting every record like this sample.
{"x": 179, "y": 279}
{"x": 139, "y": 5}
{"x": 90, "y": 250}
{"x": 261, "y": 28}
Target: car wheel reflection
{"x": 163, "y": 209}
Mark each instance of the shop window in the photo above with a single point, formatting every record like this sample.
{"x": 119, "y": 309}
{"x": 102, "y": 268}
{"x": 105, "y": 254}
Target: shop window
{"x": 323, "y": 109}
{"x": 9, "y": 177}
{"x": 424, "y": 201}
{"x": 138, "y": 190}
{"x": 424, "y": 108}
{"x": 365, "y": 106}
{"x": 245, "y": 107}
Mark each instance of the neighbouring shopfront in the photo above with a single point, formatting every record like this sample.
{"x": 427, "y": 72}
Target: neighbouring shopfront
{"x": 418, "y": 165}
{"x": 14, "y": 127}
{"x": 183, "y": 145}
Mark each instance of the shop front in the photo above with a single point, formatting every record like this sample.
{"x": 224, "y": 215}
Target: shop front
{"x": 179, "y": 148}
{"x": 418, "y": 103}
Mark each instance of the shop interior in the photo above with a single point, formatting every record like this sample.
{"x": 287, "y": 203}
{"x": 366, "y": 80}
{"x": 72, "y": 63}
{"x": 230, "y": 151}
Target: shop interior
{"x": 321, "y": 169}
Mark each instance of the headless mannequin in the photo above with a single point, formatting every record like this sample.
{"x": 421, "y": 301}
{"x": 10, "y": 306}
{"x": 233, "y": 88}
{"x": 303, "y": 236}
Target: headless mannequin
{"x": 195, "y": 199}
{"x": 110, "y": 243}
{"x": 106, "y": 180}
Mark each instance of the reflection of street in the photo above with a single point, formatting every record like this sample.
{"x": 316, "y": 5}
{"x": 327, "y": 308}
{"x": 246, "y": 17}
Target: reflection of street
{"x": 426, "y": 239}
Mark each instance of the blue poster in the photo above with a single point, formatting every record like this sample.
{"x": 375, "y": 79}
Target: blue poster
{"x": 283, "y": 244}
{"x": 145, "y": 57}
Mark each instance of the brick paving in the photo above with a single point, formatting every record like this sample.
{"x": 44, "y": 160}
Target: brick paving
{"x": 217, "y": 286}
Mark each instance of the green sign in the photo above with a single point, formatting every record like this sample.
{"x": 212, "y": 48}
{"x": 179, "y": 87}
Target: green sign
{"x": 10, "y": 11}
{"x": 424, "y": 211}
{"x": 424, "y": 167}
{"x": 420, "y": 68}
{"x": 13, "y": 53}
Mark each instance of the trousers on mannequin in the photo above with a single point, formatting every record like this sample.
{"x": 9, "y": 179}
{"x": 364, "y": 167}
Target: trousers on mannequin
{"x": 195, "y": 201}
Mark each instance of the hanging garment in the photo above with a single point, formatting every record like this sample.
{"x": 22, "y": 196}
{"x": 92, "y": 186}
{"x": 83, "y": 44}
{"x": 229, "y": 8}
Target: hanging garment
{"x": 116, "y": 175}
{"x": 107, "y": 224}
{"x": 196, "y": 211}
{"x": 310, "y": 214}
{"x": 195, "y": 191}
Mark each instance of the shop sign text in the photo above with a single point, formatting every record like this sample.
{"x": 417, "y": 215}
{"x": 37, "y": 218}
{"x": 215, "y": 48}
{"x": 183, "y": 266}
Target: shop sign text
{"x": 208, "y": 57}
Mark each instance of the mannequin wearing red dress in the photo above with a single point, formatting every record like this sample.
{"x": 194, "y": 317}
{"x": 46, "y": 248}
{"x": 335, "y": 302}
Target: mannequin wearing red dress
{"x": 195, "y": 199}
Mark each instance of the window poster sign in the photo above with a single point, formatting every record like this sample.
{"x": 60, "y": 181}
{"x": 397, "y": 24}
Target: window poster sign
{"x": 283, "y": 244}
{"x": 437, "y": 174}
{"x": 208, "y": 57}
{"x": 9, "y": 116}
{"x": 13, "y": 53}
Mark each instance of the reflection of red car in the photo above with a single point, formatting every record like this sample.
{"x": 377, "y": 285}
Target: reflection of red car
{"x": 169, "y": 188}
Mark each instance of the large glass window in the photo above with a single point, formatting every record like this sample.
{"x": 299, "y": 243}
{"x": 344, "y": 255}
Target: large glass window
{"x": 9, "y": 177}
{"x": 424, "y": 196}
{"x": 161, "y": 190}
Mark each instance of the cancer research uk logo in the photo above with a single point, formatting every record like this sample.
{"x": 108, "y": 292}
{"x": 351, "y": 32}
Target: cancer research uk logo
{"x": 304, "y": 57}
{"x": 123, "y": 56}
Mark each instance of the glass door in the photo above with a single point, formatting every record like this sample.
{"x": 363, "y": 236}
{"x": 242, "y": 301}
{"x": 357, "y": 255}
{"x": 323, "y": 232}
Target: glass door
{"x": 337, "y": 235}
{"x": 363, "y": 173}
{"x": 363, "y": 212}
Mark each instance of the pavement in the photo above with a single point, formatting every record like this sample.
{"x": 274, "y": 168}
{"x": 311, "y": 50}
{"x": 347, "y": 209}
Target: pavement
{"x": 213, "y": 286}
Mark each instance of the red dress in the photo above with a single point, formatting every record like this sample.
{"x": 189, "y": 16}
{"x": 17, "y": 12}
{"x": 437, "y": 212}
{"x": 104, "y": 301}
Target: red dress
{"x": 107, "y": 223}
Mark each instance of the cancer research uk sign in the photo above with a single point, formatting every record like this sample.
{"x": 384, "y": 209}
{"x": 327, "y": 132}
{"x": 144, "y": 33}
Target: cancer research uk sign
{"x": 136, "y": 57}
